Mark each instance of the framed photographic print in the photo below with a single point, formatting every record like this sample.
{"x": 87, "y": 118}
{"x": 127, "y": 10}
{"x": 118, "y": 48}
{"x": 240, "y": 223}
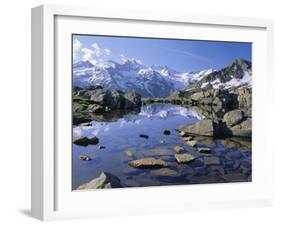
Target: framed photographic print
{"x": 137, "y": 112}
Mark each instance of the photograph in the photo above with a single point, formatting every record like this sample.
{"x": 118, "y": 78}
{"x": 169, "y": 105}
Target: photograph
{"x": 152, "y": 111}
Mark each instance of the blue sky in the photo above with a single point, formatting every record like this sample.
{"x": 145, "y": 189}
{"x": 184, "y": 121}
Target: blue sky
{"x": 181, "y": 55}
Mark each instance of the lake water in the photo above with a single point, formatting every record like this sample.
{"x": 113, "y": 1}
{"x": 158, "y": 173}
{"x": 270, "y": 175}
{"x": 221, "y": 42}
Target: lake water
{"x": 122, "y": 134}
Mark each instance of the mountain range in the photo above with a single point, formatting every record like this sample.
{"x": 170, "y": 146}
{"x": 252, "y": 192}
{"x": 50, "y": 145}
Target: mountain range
{"x": 158, "y": 81}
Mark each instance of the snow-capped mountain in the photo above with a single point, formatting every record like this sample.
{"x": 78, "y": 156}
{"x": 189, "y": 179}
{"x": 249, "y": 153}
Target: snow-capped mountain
{"x": 156, "y": 81}
{"x": 238, "y": 73}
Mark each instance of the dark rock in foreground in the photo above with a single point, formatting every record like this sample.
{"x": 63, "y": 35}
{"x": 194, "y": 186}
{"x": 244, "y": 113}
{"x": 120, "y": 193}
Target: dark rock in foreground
{"x": 85, "y": 141}
{"x": 105, "y": 180}
{"x": 148, "y": 163}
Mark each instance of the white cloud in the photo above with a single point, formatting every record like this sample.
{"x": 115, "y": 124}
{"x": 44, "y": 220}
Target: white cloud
{"x": 87, "y": 54}
{"x": 100, "y": 52}
{"x": 97, "y": 50}
{"x": 107, "y": 51}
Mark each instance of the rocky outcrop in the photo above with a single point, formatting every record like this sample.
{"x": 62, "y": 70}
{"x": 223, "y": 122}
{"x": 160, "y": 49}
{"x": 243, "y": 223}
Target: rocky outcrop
{"x": 97, "y": 103}
{"x": 233, "y": 123}
{"x": 105, "y": 180}
{"x": 148, "y": 163}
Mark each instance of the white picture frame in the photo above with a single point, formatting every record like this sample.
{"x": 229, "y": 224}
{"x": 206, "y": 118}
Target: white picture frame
{"x": 48, "y": 172}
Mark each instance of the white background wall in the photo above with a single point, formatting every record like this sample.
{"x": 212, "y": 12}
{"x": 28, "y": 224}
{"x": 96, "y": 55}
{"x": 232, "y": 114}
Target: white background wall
{"x": 15, "y": 112}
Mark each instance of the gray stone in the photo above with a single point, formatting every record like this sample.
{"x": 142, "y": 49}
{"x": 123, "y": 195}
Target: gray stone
{"x": 204, "y": 127}
{"x": 184, "y": 158}
{"x": 244, "y": 129}
{"x": 211, "y": 160}
{"x": 148, "y": 163}
{"x": 204, "y": 150}
{"x": 233, "y": 117}
{"x": 165, "y": 172}
{"x": 105, "y": 180}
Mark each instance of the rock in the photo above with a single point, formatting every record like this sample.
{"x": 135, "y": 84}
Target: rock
{"x": 244, "y": 97}
{"x": 188, "y": 138}
{"x": 211, "y": 160}
{"x": 85, "y": 158}
{"x": 157, "y": 152}
{"x": 192, "y": 143}
{"x": 166, "y": 132}
{"x": 165, "y": 172}
{"x": 86, "y": 124}
{"x": 235, "y": 177}
{"x": 85, "y": 141}
{"x": 184, "y": 158}
{"x": 105, "y": 180}
{"x": 101, "y": 147}
{"x": 204, "y": 150}
{"x": 197, "y": 96}
{"x": 183, "y": 134}
{"x": 148, "y": 163}
{"x": 205, "y": 127}
{"x": 207, "y": 101}
{"x": 95, "y": 108}
{"x": 178, "y": 148}
{"x": 144, "y": 136}
{"x": 233, "y": 117}
{"x": 244, "y": 129}
{"x": 129, "y": 154}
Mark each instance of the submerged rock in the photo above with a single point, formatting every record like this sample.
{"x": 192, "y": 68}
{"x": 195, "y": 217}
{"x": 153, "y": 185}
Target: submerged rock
{"x": 85, "y": 158}
{"x": 148, "y": 163}
{"x": 85, "y": 141}
{"x": 129, "y": 154}
{"x": 191, "y": 143}
{"x": 211, "y": 160}
{"x": 165, "y": 172}
{"x": 184, "y": 158}
{"x": 105, "y": 180}
{"x": 204, "y": 150}
{"x": 204, "y": 127}
{"x": 178, "y": 148}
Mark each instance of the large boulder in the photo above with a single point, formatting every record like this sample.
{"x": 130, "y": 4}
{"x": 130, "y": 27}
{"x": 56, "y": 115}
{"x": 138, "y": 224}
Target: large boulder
{"x": 233, "y": 117}
{"x": 105, "y": 180}
{"x": 204, "y": 127}
{"x": 243, "y": 129}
